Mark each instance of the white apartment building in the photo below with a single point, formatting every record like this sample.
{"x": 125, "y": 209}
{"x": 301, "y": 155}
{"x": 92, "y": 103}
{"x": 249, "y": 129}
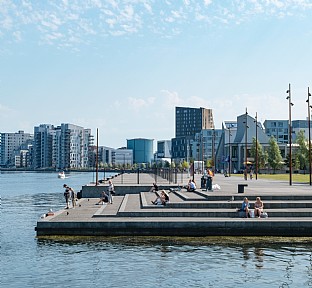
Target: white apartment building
{"x": 62, "y": 147}
{"x": 10, "y": 143}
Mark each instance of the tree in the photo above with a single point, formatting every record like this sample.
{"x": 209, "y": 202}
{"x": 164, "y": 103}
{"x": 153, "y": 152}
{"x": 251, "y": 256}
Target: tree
{"x": 302, "y": 153}
{"x": 167, "y": 164}
{"x": 185, "y": 165}
{"x": 274, "y": 155}
{"x": 262, "y": 155}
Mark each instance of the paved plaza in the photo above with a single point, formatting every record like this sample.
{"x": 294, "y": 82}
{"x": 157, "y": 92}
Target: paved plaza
{"x": 198, "y": 213}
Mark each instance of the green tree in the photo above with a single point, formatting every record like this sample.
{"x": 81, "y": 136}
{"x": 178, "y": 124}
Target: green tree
{"x": 257, "y": 148}
{"x": 274, "y": 155}
{"x": 173, "y": 165}
{"x": 207, "y": 164}
{"x": 302, "y": 153}
{"x": 185, "y": 165}
{"x": 180, "y": 166}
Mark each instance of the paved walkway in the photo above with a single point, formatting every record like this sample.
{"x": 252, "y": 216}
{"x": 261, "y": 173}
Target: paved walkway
{"x": 197, "y": 214}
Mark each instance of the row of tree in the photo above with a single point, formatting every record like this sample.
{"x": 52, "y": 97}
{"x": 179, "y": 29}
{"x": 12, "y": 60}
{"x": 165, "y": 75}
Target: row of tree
{"x": 272, "y": 158}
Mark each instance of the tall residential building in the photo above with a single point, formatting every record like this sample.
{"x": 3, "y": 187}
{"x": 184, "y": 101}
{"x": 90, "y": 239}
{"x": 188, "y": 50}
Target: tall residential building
{"x": 10, "y": 144}
{"x": 73, "y": 144}
{"x": 44, "y": 136}
{"x": 142, "y": 149}
{"x": 189, "y": 121}
{"x": 62, "y": 147}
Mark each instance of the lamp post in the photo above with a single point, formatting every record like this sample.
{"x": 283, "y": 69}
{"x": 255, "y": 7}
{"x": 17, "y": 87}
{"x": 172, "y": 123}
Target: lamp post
{"x": 230, "y": 157}
{"x": 246, "y": 126}
{"x": 289, "y": 132}
{"x": 97, "y": 158}
{"x": 309, "y": 127}
{"x": 213, "y": 150}
{"x": 256, "y": 169}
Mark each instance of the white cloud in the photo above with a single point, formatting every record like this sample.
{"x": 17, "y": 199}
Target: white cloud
{"x": 139, "y": 103}
{"x": 172, "y": 99}
{"x": 207, "y": 2}
{"x": 18, "y": 36}
{"x": 117, "y": 18}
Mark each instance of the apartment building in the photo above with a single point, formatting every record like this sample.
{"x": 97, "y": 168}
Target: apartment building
{"x": 10, "y": 145}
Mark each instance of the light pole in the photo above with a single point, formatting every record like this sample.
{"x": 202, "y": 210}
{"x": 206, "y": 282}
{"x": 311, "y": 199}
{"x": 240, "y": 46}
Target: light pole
{"x": 256, "y": 169}
{"x": 246, "y": 126}
{"x": 289, "y": 132}
{"x": 230, "y": 150}
{"x": 213, "y": 151}
{"x": 309, "y": 127}
{"x": 97, "y": 158}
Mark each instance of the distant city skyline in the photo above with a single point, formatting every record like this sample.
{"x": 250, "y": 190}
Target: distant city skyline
{"x": 123, "y": 66}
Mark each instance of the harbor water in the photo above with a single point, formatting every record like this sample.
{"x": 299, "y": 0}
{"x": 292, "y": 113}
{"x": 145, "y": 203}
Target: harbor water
{"x": 27, "y": 261}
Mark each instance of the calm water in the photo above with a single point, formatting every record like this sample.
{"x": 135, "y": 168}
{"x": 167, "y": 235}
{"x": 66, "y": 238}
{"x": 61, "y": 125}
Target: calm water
{"x": 131, "y": 262}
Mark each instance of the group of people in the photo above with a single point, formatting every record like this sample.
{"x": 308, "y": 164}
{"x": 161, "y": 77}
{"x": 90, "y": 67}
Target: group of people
{"x": 258, "y": 207}
{"x": 107, "y": 196}
{"x": 162, "y": 198}
{"x": 69, "y": 194}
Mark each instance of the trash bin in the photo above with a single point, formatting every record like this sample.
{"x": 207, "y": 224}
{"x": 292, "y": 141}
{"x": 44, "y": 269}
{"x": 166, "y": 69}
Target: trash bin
{"x": 79, "y": 195}
{"x": 203, "y": 182}
{"x": 209, "y": 183}
{"x": 240, "y": 188}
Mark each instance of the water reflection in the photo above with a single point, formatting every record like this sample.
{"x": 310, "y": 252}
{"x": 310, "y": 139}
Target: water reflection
{"x": 259, "y": 253}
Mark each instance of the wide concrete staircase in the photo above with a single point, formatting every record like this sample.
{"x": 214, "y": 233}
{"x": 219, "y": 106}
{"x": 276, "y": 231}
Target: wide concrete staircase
{"x": 206, "y": 204}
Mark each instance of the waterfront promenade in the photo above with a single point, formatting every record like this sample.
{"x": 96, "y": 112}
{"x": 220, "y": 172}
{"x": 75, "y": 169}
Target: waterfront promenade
{"x": 200, "y": 213}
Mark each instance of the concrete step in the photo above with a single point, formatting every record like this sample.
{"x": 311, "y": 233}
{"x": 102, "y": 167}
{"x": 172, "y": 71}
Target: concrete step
{"x": 211, "y": 213}
{"x": 220, "y": 196}
{"x": 274, "y": 204}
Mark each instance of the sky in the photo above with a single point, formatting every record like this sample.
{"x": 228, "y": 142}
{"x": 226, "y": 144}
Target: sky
{"x": 123, "y": 66}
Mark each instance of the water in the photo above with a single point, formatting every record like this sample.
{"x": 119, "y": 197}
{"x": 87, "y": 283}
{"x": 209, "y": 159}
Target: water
{"x": 132, "y": 262}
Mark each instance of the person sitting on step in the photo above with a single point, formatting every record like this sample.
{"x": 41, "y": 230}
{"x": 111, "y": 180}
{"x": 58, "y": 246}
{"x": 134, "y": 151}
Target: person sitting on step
{"x": 258, "y": 207}
{"x": 162, "y": 199}
{"x": 191, "y": 187}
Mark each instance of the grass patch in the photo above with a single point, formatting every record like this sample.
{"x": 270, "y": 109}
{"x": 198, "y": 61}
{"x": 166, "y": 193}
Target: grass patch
{"x": 299, "y": 178}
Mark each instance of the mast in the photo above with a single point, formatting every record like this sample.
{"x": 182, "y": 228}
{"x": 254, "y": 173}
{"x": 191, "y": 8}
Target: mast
{"x": 97, "y": 158}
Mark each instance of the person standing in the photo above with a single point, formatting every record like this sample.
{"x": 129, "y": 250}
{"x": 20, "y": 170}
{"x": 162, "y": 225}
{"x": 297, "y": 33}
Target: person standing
{"x": 111, "y": 191}
{"x": 73, "y": 196}
{"x": 66, "y": 195}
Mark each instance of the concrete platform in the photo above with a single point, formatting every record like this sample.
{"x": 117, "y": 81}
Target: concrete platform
{"x": 200, "y": 213}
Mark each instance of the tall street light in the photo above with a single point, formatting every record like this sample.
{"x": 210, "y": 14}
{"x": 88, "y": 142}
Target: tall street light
{"x": 256, "y": 170}
{"x": 290, "y": 133}
{"x": 246, "y": 126}
{"x": 309, "y": 127}
{"x": 230, "y": 150}
{"x": 213, "y": 150}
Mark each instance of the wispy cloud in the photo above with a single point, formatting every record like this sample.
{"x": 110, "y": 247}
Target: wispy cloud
{"x": 65, "y": 22}
{"x": 139, "y": 103}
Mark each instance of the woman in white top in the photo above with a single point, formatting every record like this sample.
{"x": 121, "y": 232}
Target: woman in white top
{"x": 111, "y": 191}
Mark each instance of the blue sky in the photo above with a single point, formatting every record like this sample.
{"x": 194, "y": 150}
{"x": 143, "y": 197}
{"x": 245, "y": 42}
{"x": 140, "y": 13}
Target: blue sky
{"x": 123, "y": 66}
